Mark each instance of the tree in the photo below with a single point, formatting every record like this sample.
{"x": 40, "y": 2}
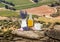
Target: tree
{"x": 11, "y": 8}
{"x": 36, "y": 1}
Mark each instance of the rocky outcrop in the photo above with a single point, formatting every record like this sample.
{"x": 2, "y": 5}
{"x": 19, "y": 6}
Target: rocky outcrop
{"x": 29, "y": 34}
{"x": 3, "y": 18}
{"x": 53, "y": 33}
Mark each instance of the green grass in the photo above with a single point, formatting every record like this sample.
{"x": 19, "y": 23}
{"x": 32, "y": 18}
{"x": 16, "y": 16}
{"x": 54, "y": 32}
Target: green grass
{"x": 1, "y": 5}
{"x": 8, "y": 13}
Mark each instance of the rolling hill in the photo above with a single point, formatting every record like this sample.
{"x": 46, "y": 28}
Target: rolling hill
{"x": 22, "y": 4}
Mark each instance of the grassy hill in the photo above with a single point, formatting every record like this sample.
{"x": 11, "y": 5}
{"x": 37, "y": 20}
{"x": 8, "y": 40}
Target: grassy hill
{"x": 23, "y": 4}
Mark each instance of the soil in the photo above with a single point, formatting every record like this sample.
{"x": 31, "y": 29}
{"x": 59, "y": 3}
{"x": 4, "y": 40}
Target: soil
{"x": 42, "y": 10}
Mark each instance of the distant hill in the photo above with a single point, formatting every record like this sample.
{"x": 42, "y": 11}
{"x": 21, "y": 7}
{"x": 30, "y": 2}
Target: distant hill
{"x": 22, "y": 4}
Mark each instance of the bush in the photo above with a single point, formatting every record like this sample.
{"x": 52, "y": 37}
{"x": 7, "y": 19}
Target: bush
{"x": 54, "y": 15}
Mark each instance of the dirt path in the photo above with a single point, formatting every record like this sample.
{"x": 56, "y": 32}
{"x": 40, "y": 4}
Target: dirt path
{"x": 1, "y": 9}
{"x": 32, "y": 1}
